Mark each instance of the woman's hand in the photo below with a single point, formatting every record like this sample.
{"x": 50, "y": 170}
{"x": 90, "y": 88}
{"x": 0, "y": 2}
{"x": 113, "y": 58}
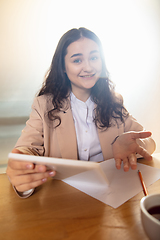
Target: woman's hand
{"x": 125, "y": 149}
{"x": 26, "y": 175}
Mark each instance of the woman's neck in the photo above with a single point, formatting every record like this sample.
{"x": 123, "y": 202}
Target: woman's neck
{"x": 81, "y": 94}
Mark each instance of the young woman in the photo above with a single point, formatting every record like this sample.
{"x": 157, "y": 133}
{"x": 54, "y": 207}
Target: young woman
{"x": 77, "y": 115}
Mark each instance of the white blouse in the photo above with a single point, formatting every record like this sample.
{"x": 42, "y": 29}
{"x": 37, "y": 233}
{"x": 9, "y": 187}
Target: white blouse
{"x": 89, "y": 148}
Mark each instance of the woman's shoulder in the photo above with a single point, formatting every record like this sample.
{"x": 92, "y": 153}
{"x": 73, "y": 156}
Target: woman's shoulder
{"x": 118, "y": 97}
{"x": 43, "y": 102}
{"x": 44, "y": 98}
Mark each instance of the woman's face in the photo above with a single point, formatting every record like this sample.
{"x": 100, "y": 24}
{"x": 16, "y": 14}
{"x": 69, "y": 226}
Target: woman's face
{"x": 83, "y": 65}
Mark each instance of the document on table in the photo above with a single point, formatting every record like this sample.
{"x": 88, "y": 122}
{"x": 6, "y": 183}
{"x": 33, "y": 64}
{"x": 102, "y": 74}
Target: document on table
{"x": 121, "y": 187}
{"x": 99, "y": 180}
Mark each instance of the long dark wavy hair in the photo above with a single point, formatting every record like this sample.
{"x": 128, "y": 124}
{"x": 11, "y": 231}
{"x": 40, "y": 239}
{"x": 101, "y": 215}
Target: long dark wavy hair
{"x": 58, "y": 86}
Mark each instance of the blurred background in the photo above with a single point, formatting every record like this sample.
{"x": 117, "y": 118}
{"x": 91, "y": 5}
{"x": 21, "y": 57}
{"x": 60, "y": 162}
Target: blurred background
{"x": 29, "y": 33}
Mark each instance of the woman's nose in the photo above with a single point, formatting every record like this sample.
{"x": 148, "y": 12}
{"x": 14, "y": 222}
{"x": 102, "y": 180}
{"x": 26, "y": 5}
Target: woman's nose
{"x": 87, "y": 67}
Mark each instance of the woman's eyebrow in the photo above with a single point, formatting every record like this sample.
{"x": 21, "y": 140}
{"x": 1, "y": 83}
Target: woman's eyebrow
{"x": 77, "y": 54}
{"x": 80, "y": 54}
{"x": 94, "y": 51}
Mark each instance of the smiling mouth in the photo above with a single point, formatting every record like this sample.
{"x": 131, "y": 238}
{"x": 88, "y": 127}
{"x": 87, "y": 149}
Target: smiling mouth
{"x": 88, "y": 76}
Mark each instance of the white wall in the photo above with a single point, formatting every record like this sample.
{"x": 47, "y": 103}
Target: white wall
{"x": 130, "y": 33}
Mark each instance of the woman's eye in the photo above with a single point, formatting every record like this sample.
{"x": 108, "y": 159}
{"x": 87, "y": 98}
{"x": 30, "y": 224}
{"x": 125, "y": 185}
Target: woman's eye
{"x": 94, "y": 58}
{"x": 77, "y": 60}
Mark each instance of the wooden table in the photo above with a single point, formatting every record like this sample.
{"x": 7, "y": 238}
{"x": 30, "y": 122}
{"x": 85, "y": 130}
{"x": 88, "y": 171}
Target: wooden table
{"x": 58, "y": 211}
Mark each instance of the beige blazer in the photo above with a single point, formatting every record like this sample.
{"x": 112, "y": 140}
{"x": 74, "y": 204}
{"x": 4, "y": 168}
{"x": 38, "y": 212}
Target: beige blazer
{"x": 41, "y": 137}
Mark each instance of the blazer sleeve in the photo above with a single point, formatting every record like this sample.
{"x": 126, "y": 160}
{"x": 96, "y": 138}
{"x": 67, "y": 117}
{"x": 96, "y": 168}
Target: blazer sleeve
{"x": 31, "y": 140}
{"x": 131, "y": 124}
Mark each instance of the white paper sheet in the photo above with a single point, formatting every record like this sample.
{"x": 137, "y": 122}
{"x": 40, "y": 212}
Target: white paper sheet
{"x": 122, "y": 185}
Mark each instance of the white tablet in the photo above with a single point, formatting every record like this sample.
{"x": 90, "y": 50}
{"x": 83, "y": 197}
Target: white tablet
{"x": 64, "y": 167}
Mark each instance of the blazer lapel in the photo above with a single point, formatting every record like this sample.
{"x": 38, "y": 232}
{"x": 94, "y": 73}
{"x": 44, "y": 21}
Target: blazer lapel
{"x": 66, "y": 135}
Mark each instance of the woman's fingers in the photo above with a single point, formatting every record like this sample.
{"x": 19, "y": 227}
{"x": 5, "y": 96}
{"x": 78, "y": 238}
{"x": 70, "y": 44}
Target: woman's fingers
{"x": 20, "y": 167}
{"x": 118, "y": 163}
{"x": 135, "y": 135}
{"x": 142, "y": 134}
{"x": 133, "y": 161}
{"x": 27, "y": 175}
{"x": 25, "y": 165}
{"x": 143, "y": 153}
{"x": 33, "y": 177}
{"x": 126, "y": 147}
{"x": 130, "y": 161}
{"x": 125, "y": 164}
{"x": 28, "y": 186}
